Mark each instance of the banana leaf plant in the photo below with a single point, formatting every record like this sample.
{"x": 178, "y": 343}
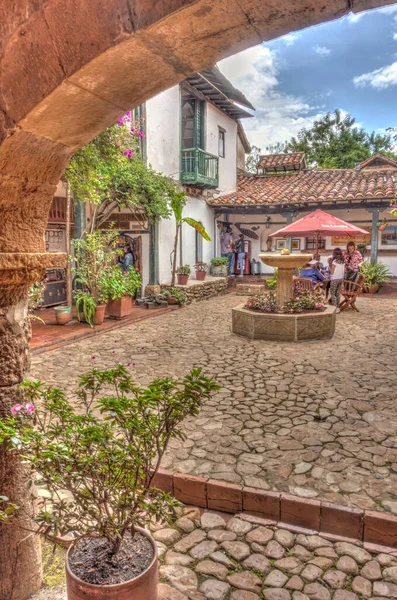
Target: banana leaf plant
{"x": 178, "y": 203}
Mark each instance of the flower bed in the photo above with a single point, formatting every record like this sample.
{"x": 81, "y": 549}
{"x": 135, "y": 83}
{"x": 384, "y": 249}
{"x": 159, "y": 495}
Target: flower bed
{"x": 303, "y": 301}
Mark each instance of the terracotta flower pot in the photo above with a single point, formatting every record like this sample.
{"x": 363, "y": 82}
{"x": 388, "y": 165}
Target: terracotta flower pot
{"x": 200, "y": 275}
{"x": 182, "y": 279}
{"x": 119, "y": 308}
{"x": 99, "y": 316}
{"x": 63, "y": 314}
{"x": 143, "y": 587}
{"x": 171, "y": 300}
{"x": 373, "y": 289}
{"x": 382, "y": 227}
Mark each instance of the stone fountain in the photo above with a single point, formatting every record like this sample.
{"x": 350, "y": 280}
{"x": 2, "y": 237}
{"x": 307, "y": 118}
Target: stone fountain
{"x": 279, "y": 326}
{"x": 285, "y": 262}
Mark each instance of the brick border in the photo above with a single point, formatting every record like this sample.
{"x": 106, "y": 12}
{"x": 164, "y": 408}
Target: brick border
{"x": 332, "y": 520}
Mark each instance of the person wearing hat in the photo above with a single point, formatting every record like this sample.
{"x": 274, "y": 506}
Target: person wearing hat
{"x": 310, "y": 271}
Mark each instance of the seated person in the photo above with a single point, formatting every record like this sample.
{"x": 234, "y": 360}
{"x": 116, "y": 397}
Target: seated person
{"x": 310, "y": 271}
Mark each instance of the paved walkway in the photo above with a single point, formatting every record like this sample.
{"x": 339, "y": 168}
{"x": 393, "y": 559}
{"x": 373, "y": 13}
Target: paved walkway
{"x": 207, "y": 556}
{"x": 317, "y": 419}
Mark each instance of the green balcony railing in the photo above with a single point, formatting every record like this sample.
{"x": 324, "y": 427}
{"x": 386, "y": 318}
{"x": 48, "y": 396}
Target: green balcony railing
{"x": 199, "y": 168}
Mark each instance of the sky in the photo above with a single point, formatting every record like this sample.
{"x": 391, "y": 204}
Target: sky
{"x": 350, "y": 64}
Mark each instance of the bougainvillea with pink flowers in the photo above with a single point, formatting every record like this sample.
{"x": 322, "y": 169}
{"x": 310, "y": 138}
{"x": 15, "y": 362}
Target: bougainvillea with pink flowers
{"x": 110, "y": 172}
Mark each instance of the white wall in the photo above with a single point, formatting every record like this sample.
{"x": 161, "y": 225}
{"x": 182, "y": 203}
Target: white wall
{"x": 228, "y": 165}
{"x": 163, "y": 132}
{"x": 360, "y": 217}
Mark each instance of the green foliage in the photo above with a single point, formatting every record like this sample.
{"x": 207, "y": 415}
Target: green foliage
{"x": 335, "y": 142}
{"x": 115, "y": 284}
{"x": 35, "y": 295}
{"x": 252, "y": 159}
{"x": 219, "y": 261}
{"x": 85, "y": 305}
{"x": 110, "y": 173}
{"x": 178, "y": 202}
{"x": 174, "y": 293}
{"x": 92, "y": 254}
{"x": 103, "y": 447}
{"x": 7, "y": 510}
{"x": 272, "y": 282}
{"x": 375, "y": 273}
{"x": 184, "y": 270}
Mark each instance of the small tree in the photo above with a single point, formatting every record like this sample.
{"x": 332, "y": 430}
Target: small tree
{"x": 111, "y": 174}
{"x": 97, "y": 455}
{"x": 178, "y": 203}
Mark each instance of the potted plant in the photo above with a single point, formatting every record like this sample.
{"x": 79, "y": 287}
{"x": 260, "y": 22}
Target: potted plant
{"x": 174, "y": 296}
{"x": 183, "y": 274}
{"x": 119, "y": 287}
{"x": 201, "y": 270}
{"x": 374, "y": 274}
{"x": 97, "y": 456}
{"x": 63, "y": 314}
{"x": 219, "y": 266}
{"x": 93, "y": 254}
{"x": 382, "y": 225}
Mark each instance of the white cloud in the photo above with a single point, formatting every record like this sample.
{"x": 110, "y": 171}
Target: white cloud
{"x": 290, "y": 38}
{"x": 354, "y": 17}
{"x": 388, "y": 10}
{"x": 395, "y": 36}
{"x": 322, "y": 50}
{"x": 379, "y": 79}
{"x": 278, "y": 115}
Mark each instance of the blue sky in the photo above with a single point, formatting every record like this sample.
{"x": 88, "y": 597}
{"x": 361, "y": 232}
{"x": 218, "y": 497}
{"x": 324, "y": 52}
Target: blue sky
{"x": 349, "y": 64}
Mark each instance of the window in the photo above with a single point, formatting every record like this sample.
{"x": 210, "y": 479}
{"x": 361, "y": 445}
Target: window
{"x": 311, "y": 243}
{"x": 221, "y": 142}
{"x": 193, "y": 112}
{"x": 199, "y": 247}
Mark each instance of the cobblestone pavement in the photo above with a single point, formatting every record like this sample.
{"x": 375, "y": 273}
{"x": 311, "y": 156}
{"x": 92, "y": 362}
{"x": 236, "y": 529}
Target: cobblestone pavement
{"x": 211, "y": 558}
{"x": 317, "y": 419}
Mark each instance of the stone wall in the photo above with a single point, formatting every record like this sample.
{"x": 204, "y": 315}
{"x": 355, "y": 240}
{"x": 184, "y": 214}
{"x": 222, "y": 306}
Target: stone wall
{"x": 196, "y": 291}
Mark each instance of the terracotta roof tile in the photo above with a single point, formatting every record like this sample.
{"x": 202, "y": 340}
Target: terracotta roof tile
{"x": 311, "y": 186}
{"x": 282, "y": 162}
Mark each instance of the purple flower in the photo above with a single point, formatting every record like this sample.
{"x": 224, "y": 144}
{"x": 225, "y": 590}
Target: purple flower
{"x": 99, "y": 176}
{"x": 29, "y": 408}
{"x": 16, "y": 409}
{"x": 120, "y": 121}
{"x": 128, "y": 115}
{"x": 196, "y": 392}
{"x": 128, "y": 364}
{"x": 128, "y": 153}
{"x": 115, "y": 341}
{"x": 93, "y": 357}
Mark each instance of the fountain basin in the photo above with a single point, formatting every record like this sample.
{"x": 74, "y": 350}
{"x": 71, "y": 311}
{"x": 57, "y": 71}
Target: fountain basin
{"x": 255, "y": 325}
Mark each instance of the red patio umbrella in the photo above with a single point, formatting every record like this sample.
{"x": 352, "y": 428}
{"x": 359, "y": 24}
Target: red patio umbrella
{"x": 319, "y": 224}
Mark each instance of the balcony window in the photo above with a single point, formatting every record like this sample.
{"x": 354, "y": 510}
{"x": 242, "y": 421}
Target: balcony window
{"x": 221, "y": 142}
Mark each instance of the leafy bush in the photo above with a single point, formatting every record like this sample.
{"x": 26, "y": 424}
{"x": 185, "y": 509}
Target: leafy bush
{"x": 219, "y": 261}
{"x": 184, "y": 270}
{"x": 97, "y": 454}
{"x": 116, "y": 284}
{"x": 175, "y": 293}
{"x": 35, "y": 295}
{"x": 304, "y": 300}
{"x": 375, "y": 274}
{"x": 272, "y": 282}
{"x": 264, "y": 303}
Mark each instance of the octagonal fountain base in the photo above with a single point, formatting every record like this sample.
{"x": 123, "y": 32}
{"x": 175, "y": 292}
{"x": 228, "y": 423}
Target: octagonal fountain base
{"x": 283, "y": 327}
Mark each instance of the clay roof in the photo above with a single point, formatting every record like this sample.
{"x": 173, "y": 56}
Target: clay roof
{"x": 378, "y": 161}
{"x": 333, "y": 185}
{"x": 293, "y": 161}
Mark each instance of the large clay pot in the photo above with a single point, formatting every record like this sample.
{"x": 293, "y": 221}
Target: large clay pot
{"x": 200, "y": 275}
{"x": 99, "y": 315}
{"x": 119, "y": 308}
{"x": 182, "y": 279}
{"x": 63, "y": 314}
{"x": 143, "y": 587}
{"x": 373, "y": 289}
{"x": 382, "y": 227}
{"x": 219, "y": 270}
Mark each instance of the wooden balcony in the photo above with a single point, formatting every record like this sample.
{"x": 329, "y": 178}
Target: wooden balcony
{"x": 199, "y": 168}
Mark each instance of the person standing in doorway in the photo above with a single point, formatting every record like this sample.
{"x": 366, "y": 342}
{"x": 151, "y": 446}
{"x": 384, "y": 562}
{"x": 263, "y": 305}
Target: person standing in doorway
{"x": 128, "y": 259}
{"x": 240, "y": 249}
{"x": 227, "y": 249}
{"x": 353, "y": 261}
{"x": 337, "y": 276}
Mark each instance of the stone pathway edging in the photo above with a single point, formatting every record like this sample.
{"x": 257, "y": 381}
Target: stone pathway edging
{"x": 373, "y": 528}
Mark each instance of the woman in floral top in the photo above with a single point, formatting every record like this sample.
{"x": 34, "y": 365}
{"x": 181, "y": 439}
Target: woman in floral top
{"x": 353, "y": 260}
